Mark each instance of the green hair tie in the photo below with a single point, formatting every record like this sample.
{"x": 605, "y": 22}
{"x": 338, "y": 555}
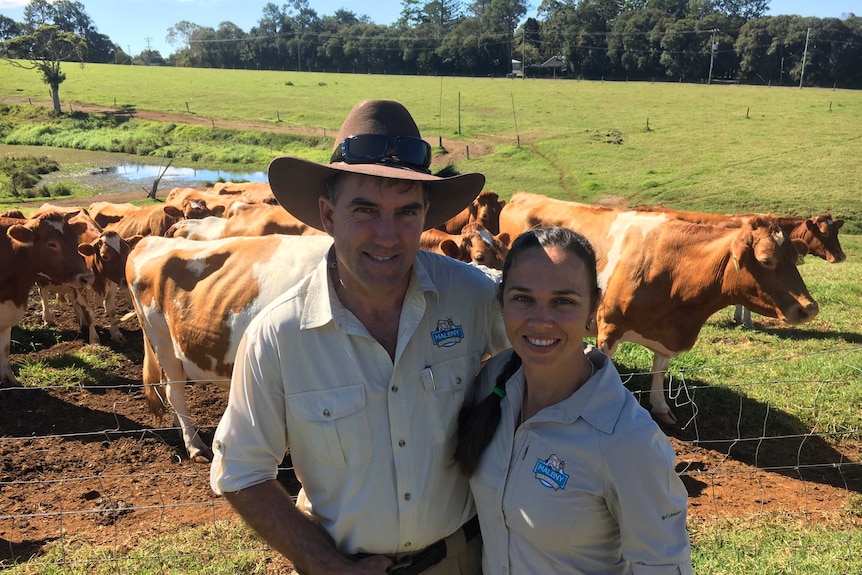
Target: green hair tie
{"x": 500, "y": 392}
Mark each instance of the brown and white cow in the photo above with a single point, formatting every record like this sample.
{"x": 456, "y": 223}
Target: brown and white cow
{"x": 264, "y": 219}
{"x": 209, "y": 228}
{"x": 662, "y": 278}
{"x": 195, "y": 299}
{"x": 484, "y": 210}
{"x": 819, "y": 233}
{"x": 108, "y": 264}
{"x": 473, "y": 244}
{"x": 43, "y": 246}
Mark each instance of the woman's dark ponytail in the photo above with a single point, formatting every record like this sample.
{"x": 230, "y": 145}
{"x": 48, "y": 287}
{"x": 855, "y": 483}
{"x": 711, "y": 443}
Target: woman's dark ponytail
{"x": 478, "y": 422}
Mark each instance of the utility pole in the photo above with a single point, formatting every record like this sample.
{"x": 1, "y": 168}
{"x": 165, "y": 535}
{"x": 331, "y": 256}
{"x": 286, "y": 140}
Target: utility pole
{"x": 711, "y": 55}
{"x": 148, "y": 43}
{"x": 804, "y": 56}
{"x": 524, "y": 52}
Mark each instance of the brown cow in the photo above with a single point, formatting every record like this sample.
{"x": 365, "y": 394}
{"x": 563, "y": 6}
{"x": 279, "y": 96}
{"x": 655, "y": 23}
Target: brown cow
{"x": 474, "y": 244}
{"x": 662, "y": 278}
{"x": 197, "y": 204}
{"x": 146, "y": 221}
{"x": 46, "y": 245}
{"x": 484, "y": 210}
{"x": 104, "y": 213}
{"x": 264, "y": 219}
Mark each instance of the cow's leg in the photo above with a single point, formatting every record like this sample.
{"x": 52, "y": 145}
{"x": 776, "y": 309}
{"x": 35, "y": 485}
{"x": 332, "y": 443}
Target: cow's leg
{"x": 86, "y": 315}
{"x": 659, "y": 408}
{"x": 198, "y": 450}
{"x": 742, "y": 316}
{"x": 49, "y": 314}
{"x": 6, "y": 375}
{"x": 110, "y": 302}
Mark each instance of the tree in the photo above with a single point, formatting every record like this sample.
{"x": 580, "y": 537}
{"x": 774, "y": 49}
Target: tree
{"x": 45, "y": 49}
{"x": 9, "y": 28}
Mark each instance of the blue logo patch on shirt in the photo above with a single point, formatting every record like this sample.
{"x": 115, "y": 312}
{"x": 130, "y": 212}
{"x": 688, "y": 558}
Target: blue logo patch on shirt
{"x": 447, "y": 334}
{"x": 550, "y": 472}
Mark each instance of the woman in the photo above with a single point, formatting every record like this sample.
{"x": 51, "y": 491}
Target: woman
{"x": 569, "y": 473}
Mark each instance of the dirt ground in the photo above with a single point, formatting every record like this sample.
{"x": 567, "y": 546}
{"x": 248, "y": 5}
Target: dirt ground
{"x": 89, "y": 464}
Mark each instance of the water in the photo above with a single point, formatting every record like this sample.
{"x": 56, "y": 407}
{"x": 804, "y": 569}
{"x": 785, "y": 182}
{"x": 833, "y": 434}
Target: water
{"x": 137, "y": 172}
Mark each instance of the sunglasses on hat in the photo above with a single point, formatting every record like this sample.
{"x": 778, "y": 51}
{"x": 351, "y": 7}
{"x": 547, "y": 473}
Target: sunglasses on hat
{"x": 381, "y": 149}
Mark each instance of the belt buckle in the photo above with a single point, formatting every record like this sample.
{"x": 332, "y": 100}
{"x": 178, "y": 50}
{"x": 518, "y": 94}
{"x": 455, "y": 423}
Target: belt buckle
{"x": 401, "y": 562}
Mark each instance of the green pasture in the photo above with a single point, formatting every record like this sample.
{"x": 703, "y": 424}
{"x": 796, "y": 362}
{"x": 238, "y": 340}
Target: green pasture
{"x": 709, "y": 148}
{"x": 713, "y": 148}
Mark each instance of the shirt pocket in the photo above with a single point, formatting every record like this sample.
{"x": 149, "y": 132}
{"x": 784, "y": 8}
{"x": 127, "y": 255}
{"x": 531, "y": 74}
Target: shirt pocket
{"x": 446, "y": 384}
{"x": 332, "y": 424}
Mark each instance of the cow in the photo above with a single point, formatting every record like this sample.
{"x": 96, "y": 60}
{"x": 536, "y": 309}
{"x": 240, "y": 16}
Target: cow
{"x": 264, "y": 219}
{"x": 209, "y": 228}
{"x": 249, "y": 192}
{"x": 484, "y": 210}
{"x": 46, "y": 245}
{"x": 151, "y": 220}
{"x": 104, "y": 213}
{"x": 819, "y": 233}
{"x": 473, "y": 244}
{"x": 194, "y": 300}
{"x": 108, "y": 264}
{"x": 662, "y": 278}
{"x": 197, "y": 204}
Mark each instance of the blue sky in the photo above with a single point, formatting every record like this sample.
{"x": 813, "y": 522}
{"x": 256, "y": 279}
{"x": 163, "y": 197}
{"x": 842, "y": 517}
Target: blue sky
{"x": 137, "y": 24}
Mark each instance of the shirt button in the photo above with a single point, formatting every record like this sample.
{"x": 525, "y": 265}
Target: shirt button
{"x": 402, "y": 443}
{"x": 408, "y": 544}
{"x": 326, "y": 413}
{"x": 394, "y": 389}
{"x": 458, "y": 381}
{"x": 407, "y": 497}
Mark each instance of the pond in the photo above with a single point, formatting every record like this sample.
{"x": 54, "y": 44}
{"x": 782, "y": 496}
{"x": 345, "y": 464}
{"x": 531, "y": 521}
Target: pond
{"x": 136, "y": 172}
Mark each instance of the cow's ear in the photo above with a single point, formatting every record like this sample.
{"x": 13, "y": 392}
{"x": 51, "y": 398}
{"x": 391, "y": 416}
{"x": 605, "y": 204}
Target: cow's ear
{"x": 451, "y": 249}
{"x": 174, "y": 212}
{"x": 86, "y": 249}
{"x": 80, "y": 228}
{"x": 501, "y": 203}
{"x": 504, "y": 238}
{"x": 20, "y": 234}
{"x": 838, "y": 223}
{"x": 218, "y": 211}
{"x": 801, "y": 247}
{"x": 133, "y": 241}
{"x": 742, "y": 244}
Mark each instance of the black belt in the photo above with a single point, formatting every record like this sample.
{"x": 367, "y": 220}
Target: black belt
{"x": 428, "y": 557}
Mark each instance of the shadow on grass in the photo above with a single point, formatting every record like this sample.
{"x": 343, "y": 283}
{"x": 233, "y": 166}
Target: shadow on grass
{"x": 754, "y": 433}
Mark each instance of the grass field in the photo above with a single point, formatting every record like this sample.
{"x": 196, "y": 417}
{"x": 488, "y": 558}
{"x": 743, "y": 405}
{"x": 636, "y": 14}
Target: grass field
{"x": 697, "y": 147}
{"x": 710, "y": 148}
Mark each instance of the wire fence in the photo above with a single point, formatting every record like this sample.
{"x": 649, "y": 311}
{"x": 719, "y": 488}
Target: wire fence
{"x": 96, "y": 476}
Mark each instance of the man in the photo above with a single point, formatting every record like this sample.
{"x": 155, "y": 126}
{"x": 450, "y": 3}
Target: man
{"x": 361, "y": 369}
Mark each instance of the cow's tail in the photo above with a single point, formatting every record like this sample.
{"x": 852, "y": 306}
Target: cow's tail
{"x": 152, "y": 379}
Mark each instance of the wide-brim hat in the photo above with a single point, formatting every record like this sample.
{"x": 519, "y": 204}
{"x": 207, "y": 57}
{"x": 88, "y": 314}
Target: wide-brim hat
{"x": 298, "y": 183}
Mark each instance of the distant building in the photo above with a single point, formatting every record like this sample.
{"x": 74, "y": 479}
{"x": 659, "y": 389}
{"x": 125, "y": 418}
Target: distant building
{"x": 517, "y": 69}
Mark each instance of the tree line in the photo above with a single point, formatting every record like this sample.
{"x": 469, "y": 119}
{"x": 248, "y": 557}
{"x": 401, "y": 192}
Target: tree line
{"x": 672, "y": 40}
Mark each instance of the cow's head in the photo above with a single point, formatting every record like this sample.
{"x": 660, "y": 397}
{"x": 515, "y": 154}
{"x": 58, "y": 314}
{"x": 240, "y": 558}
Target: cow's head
{"x": 764, "y": 274}
{"x": 53, "y": 245}
{"x": 485, "y": 210}
{"x": 822, "y": 238}
{"x": 107, "y": 255}
{"x": 479, "y": 246}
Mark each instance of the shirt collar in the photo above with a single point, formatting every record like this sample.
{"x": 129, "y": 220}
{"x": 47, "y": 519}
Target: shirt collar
{"x": 323, "y": 306}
